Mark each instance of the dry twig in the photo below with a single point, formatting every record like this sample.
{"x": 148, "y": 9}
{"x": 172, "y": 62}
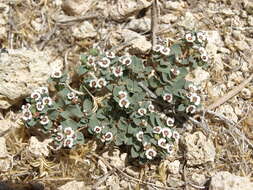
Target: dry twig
{"x": 154, "y": 21}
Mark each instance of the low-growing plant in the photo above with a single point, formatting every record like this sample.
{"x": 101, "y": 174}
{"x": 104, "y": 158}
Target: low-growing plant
{"x": 133, "y": 101}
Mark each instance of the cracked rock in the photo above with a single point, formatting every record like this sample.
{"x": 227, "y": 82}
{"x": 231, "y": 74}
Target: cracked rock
{"x": 227, "y": 181}
{"x": 37, "y": 148}
{"x": 199, "y": 149}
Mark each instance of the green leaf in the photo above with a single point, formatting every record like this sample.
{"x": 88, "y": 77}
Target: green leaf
{"x": 70, "y": 123}
{"x": 31, "y": 123}
{"x": 53, "y": 114}
{"x": 84, "y": 58}
{"x": 176, "y": 49}
{"x": 134, "y": 153}
{"x": 87, "y": 105}
{"x": 133, "y": 86}
{"x": 137, "y": 65}
{"x": 80, "y": 70}
{"x": 72, "y": 111}
{"x": 181, "y": 107}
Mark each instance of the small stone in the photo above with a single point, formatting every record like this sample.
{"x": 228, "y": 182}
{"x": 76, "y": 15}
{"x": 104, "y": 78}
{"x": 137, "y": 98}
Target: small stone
{"x": 227, "y": 12}
{"x": 227, "y": 181}
{"x": 75, "y": 185}
{"x": 131, "y": 171}
{"x": 199, "y": 149}
{"x": 189, "y": 22}
{"x": 249, "y": 7}
{"x": 174, "y": 5}
{"x": 168, "y": 18}
{"x": 246, "y": 93}
{"x": 237, "y": 34}
{"x": 76, "y": 7}
{"x": 199, "y": 179}
{"x": 228, "y": 111}
{"x": 142, "y": 24}
{"x": 175, "y": 182}
{"x": 84, "y": 30}
{"x": 112, "y": 182}
{"x": 241, "y": 45}
{"x": 115, "y": 158}
{"x": 5, "y": 125}
{"x": 173, "y": 167}
{"x": 37, "y": 148}
{"x": 236, "y": 77}
{"x": 250, "y": 20}
{"x": 198, "y": 76}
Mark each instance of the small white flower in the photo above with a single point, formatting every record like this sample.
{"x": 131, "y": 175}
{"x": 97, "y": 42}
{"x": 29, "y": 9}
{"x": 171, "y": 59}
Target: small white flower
{"x": 157, "y": 48}
{"x": 47, "y": 101}
{"x": 202, "y": 51}
{"x": 101, "y": 83}
{"x": 91, "y": 61}
{"x": 166, "y": 132}
{"x": 175, "y": 71}
{"x": 56, "y": 74}
{"x": 201, "y": 37}
{"x": 110, "y": 55}
{"x": 191, "y": 109}
{"x": 189, "y": 37}
{"x": 150, "y": 153}
{"x": 126, "y": 61}
{"x": 104, "y": 62}
{"x": 170, "y": 121}
{"x": 59, "y": 137}
{"x": 97, "y": 129}
{"x": 117, "y": 71}
{"x": 27, "y": 115}
{"x": 108, "y": 136}
{"x": 175, "y": 135}
{"x": 144, "y": 122}
{"x": 124, "y": 102}
{"x": 194, "y": 98}
{"x": 151, "y": 107}
{"x": 178, "y": 59}
{"x": 44, "y": 120}
{"x": 165, "y": 50}
{"x": 59, "y": 128}
{"x": 39, "y": 106}
{"x": 26, "y": 107}
{"x": 36, "y": 96}
{"x": 142, "y": 111}
{"x": 68, "y": 142}
{"x": 43, "y": 90}
{"x": 170, "y": 148}
{"x": 139, "y": 136}
{"x": 93, "y": 83}
{"x": 168, "y": 97}
{"x": 162, "y": 143}
{"x": 146, "y": 145}
{"x": 69, "y": 132}
{"x": 71, "y": 95}
{"x": 157, "y": 130}
{"x": 192, "y": 88}
{"x": 122, "y": 94}
{"x": 204, "y": 57}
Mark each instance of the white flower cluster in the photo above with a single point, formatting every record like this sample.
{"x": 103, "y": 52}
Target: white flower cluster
{"x": 161, "y": 49}
{"x": 123, "y": 102}
{"x": 66, "y": 136}
{"x": 41, "y": 98}
{"x": 108, "y": 136}
{"x": 200, "y": 37}
{"x": 143, "y": 111}
{"x": 72, "y": 96}
{"x": 193, "y": 98}
{"x": 98, "y": 83}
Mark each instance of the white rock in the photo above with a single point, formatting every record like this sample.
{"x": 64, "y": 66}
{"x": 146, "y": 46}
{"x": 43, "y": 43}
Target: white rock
{"x": 199, "y": 149}
{"x": 173, "y": 167}
{"x": 228, "y": 111}
{"x": 246, "y": 93}
{"x": 227, "y": 181}
{"x": 113, "y": 182}
{"x": 250, "y": 20}
{"x": 37, "y": 148}
{"x": 236, "y": 77}
{"x": 140, "y": 44}
{"x": 142, "y": 24}
{"x": 198, "y": 179}
{"x": 126, "y": 8}
{"x": 249, "y": 7}
{"x": 174, "y": 5}
{"x": 115, "y": 158}
{"x": 168, "y": 18}
{"x": 76, "y": 7}
{"x": 84, "y": 30}
{"x": 189, "y": 22}
{"x": 37, "y": 24}
{"x": 75, "y": 185}
{"x": 198, "y": 76}
{"x": 5, "y": 125}
{"x": 5, "y": 158}
{"x": 22, "y": 71}
{"x": 214, "y": 42}
{"x": 241, "y": 45}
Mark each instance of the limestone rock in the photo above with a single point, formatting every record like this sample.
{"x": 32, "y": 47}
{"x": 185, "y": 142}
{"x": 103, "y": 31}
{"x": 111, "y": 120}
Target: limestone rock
{"x": 198, "y": 76}
{"x": 168, "y": 18}
{"x": 84, "y": 30}
{"x": 214, "y": 42}
{"x": 139, "y": 44}
{"x": 37, "y": 148}
{"x": 76, "y": 7}
{"x": 5, "y": 159}
{"x": 174, "y": 167}
{"x": 141, "y": 25}
{"x": 227, "y": 181}
{"x": 199, "y": 149}
{"x": 5, "y": 125}
{"x": 75, "y": 185}
{"x": 115, "y": 158}
{"x": 174, "y": 5}
{"x": 22, "y": 71}
{"x": 189, "y": 22}
{"x": 198, "y": 179}
{"x": 126, "y": 8}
